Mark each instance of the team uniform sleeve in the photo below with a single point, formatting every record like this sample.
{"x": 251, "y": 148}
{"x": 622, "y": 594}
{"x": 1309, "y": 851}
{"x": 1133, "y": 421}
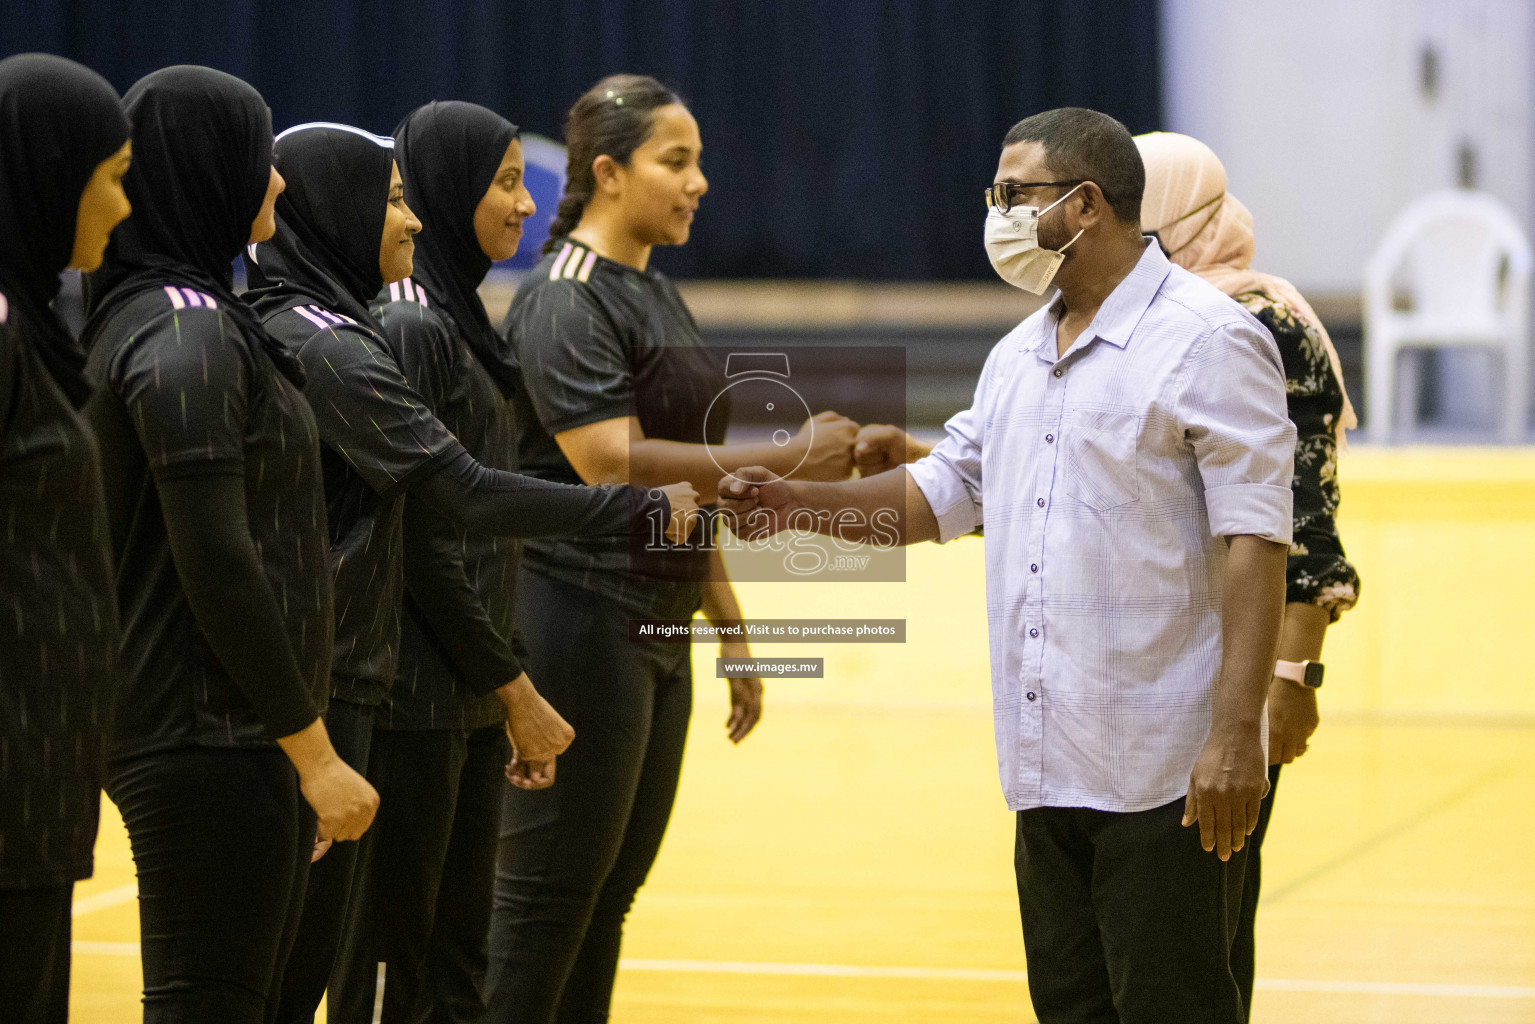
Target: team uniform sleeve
{"x": 454, "y": 612}
{"x": 572, "y": 358}
{"x": 184, "y": 382}
{"x": 433, "y": 550}
{"x": 368, "y": 412}
{"x": 1231, "y": 405}
{"x": 423, "y": 347}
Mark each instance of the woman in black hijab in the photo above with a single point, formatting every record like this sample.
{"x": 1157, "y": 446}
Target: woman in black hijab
{"x": 63, "y": 151}
{"x": 424, "y": 889}
{"x": 221, "y": 765}
{"x": 343, "y": 231}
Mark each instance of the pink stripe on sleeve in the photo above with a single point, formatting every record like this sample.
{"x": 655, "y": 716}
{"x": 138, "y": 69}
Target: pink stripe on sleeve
{"x": 559, "y": 262}
{"x": 321, "y": 324}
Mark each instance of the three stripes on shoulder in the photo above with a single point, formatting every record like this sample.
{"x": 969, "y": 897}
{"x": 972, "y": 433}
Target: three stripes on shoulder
{"x": 324, "y": 319}
{"x": 181, "y": 298}
{"x": 574, "y": 261}
{"x": 407, "y": 289}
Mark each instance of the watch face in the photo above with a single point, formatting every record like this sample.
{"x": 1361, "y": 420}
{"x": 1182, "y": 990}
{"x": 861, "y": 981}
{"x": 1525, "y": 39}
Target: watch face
{"x": 1313, "y": 674}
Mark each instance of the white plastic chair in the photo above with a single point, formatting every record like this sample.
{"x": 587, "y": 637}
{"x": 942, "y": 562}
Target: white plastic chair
{"x": 1463, "y": 265}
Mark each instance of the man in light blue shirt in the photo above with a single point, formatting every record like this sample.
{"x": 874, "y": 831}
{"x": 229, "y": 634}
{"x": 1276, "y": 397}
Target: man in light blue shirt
{"x": 1129, "y": 455}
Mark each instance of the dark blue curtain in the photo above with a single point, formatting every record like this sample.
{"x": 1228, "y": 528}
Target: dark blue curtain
{"x": 842, "y": 138}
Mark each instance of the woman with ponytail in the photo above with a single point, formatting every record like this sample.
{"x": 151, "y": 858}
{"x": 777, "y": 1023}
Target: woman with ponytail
{"x": 614, "y": 385}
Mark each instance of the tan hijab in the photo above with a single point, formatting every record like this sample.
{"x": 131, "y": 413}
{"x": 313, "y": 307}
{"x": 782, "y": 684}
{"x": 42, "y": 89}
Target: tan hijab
{"x": 1208, "y": 231}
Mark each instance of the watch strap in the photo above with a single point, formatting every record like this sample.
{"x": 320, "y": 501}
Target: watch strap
{"x": 1306, "y": 673}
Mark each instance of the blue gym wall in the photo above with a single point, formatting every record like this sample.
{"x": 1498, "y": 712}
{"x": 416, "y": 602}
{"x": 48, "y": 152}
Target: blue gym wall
{"x": 842, "y": 138}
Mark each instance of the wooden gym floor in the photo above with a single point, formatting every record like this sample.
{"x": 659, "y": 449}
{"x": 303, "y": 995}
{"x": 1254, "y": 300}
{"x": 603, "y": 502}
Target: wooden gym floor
{"x": 851, "y": 862}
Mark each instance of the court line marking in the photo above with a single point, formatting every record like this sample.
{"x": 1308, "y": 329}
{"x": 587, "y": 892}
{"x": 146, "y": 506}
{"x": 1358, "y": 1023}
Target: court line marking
{"x": 1376, "y": 840}
{"x": 104, "y": 899}
{"x": 1389, "y": 988}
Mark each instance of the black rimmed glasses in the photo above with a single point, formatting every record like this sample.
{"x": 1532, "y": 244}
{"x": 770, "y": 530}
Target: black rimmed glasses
{"x": 1004, "y": 195}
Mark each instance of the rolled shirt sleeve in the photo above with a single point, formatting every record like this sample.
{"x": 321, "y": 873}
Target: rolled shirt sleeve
{"x": 950, "y": 476}
{"x": 1232, "y": 409}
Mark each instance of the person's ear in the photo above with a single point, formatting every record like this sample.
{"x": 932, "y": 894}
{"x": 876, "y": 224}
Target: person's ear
{"x": 605, "y": 170}
{"x": 1094, "y": 205}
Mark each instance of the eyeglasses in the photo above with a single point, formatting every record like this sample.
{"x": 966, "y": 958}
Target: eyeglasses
{"x": 1004, "y": 195}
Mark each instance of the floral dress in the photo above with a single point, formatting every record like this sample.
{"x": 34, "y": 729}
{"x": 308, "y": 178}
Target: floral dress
{"x": 1318, "y": 572}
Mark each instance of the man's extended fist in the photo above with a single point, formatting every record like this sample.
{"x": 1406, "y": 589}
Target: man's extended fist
{"x": 879, "y": 447}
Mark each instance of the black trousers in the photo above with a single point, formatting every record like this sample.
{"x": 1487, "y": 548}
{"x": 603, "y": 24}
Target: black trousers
{"x": 221, "y": 842}
{"x": 573, "y": 856}
{"x": 34, "y": 954}
{"x": 1126, "y": 920}
{"x": 425, "y": 873}
{"x": 1243, "y": 958}
{"x": 329, "y": 894}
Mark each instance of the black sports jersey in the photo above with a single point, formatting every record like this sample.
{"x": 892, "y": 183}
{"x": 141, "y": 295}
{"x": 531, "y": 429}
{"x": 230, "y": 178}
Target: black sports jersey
{"x": 595, "y": 340}
{"x": 459, "y": 612}
{"x": 376, "y": 435}
{"x": 58, "y": 623}
{"x": 182, "y": 392}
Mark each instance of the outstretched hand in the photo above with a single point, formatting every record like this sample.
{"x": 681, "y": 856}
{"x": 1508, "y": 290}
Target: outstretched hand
{"x": 756, "y": 502}
{"x": 880, "y": 447}
{"x": 828, "y": 438}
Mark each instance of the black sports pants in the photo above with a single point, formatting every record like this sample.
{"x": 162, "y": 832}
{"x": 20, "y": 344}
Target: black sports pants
{"x": 1126, "y": 920}
{"x": 328, "y": 896}
{"x": 1243, "y": 960}
{"x": 34, "y": 954}
{"x": 221, "y": 841}
{"x": 425, "y": 873}
{"x": 573, "y": 856}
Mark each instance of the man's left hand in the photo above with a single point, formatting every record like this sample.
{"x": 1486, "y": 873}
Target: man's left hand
{"x": 1226, "y": 788}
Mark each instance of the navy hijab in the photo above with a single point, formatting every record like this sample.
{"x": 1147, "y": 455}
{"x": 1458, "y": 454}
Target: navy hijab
{"x": 330, "y": 223}
{"x": 202, "y": 160}
{"x": 58, "y": 122}
{"x": 449, "y": 153}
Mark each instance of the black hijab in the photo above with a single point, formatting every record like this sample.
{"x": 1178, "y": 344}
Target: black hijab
{"x": 449, "y": 153}
{"x": 330, "y": 223}
{"x": 58, "y": 122}
{"x": 202, "y": 159}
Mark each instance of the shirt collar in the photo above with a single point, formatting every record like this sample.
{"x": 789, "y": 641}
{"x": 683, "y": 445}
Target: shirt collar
{"x": 1121, "y": 311}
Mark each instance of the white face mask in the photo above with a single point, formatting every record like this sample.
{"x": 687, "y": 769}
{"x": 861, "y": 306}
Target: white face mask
{"x": 1012, "y": 244}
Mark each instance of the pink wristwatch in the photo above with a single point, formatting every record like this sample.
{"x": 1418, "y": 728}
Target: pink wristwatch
{"x": 1307, "y": 673}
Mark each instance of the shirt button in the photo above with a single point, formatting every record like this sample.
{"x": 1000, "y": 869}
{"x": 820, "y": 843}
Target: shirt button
{"x": 1031, "y": 695}
{"x": 1049, "y": 439}
{"x": 1034, "y": 567}
{"x": 1041, "y": 503}
{"x": 1033, "y": 632}
{"x": 1058, "y": 372}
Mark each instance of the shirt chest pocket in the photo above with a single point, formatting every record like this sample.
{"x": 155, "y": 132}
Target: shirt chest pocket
{"x": 1102, "y": 463}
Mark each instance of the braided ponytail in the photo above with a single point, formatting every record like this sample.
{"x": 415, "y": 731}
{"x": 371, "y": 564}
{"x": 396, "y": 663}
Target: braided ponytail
{"x": 612, "y": 118}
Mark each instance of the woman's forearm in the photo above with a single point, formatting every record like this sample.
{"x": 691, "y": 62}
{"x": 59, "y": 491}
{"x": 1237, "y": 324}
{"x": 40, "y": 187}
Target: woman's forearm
{"x": 1301, "y": 635}
{"x": 719, "y": 597}
{"x": 653, "y": 462}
